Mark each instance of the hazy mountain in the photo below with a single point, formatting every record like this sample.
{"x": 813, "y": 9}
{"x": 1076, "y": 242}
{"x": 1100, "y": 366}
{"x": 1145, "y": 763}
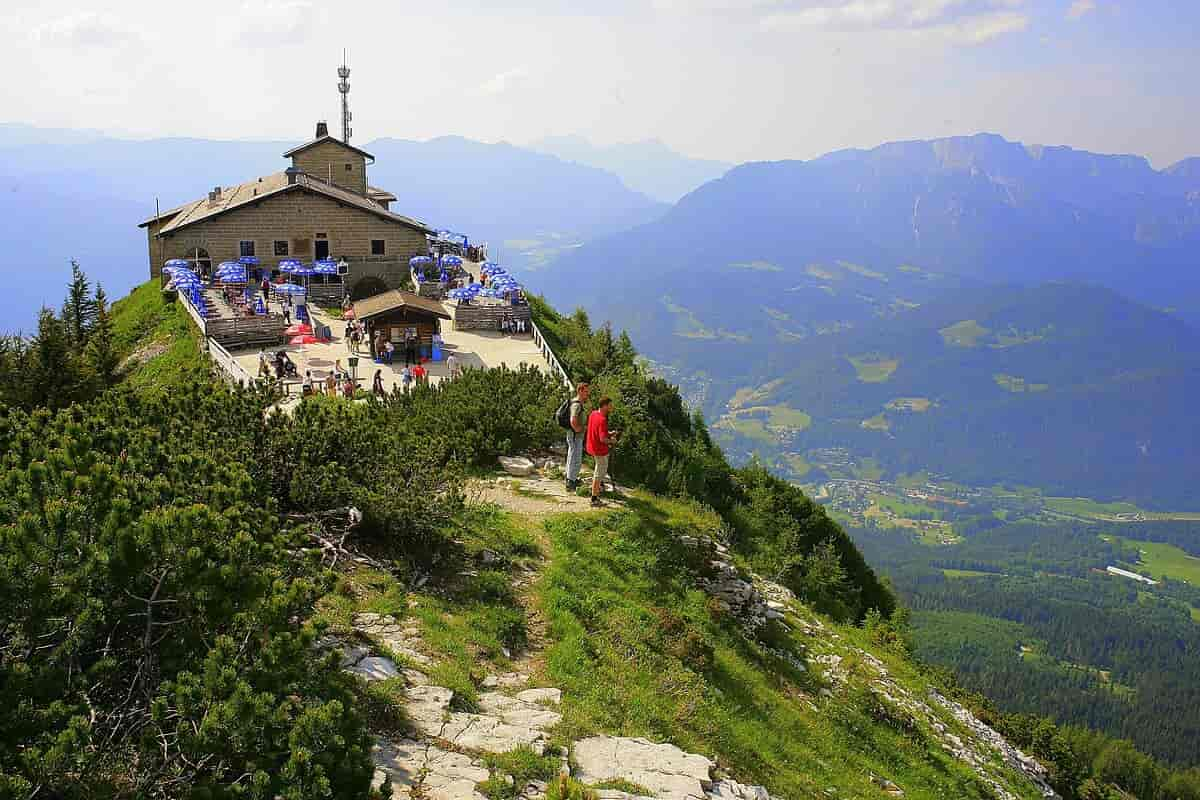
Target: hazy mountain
{"x": 736, "y": 285}
{"x": 648, "y": 166}
{"x": 80, "y": 194}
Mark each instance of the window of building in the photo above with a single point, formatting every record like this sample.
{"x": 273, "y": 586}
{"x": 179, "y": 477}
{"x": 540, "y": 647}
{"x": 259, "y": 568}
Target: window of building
{"x": 281, "y": 247}
{"x": 377, "y": 247}
{"x": 245, "y": 248}
{"x": 349, "y": 168}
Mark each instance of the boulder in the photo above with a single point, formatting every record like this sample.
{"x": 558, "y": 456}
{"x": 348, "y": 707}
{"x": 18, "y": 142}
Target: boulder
{"x": 517, "y": 465}
{"x": 664, "y": 769}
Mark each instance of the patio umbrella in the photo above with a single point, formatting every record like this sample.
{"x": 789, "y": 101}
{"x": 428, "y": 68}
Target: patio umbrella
{"x": 324, "y": 267}
{"x": 175, "y": 263}
{"x": 287, "y": 263}
{"x": 249, "y": 261}
{"x": 489, "y": 267}
{"x": 287, "y": 288}
{"x": 419, "y": 261}
{"x": 451, "y": 261}
{"x": 299, "y": 329}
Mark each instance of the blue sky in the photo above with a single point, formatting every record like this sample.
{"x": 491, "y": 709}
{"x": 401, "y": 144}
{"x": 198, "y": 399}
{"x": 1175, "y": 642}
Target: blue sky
{"x": 730, "y": 79}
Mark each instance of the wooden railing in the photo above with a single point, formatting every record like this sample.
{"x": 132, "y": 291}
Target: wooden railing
{"x": 556, "y": 367}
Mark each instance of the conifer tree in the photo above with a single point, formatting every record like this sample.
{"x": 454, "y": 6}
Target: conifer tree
{"x": 52, "y": 373}
{"x": 79, "y": 309}
{"x": 100, "y": 356}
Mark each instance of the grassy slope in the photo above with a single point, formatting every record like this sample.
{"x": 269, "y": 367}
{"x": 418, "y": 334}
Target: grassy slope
{"x": 143, "y": 322}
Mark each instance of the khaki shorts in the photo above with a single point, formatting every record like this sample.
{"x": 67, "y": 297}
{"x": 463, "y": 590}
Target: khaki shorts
{"x": 601, "y": 467}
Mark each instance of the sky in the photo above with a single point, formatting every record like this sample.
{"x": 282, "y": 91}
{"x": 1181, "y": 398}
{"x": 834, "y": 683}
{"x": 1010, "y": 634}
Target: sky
{"x": 735, "y": 80}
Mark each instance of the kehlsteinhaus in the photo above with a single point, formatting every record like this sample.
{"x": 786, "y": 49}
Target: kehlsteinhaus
{"x": 320, "y": 207}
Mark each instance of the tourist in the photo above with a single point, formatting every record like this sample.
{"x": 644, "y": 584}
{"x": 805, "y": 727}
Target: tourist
{"x": 599, "y": 439}
{"x": 377, "y": 384}
{"x": 379, "y": 339}
{"x": 339, "y": 371}
{"x": 576, "y": 435}
{"x": 287, "y": 314}
{"x": 418, "y": 373}
{"x": 286, "y": 365}
{"x": 308, "y": 387}
{"x": 264, "y": 364}
{"x": 410, "y": 347}
{"x": 266, "y": 291}
{"x": 389, "y": 351}
{"x": 348, "y": 388}
{"x": 406, "y": 378}
{"x": 452, "y": 365}
{"x": 346, "y": 304}
{"x": 331, "y": 385}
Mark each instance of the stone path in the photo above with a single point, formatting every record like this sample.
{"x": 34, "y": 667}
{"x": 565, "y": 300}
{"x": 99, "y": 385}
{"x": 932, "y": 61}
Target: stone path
{"x": 442, "y": 758}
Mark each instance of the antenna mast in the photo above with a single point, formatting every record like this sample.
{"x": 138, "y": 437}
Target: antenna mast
{"x": 344, "y": 90}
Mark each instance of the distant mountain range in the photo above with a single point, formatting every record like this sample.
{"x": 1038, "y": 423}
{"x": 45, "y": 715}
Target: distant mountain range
{"x": 743, "y": 281}
{"x": 80, "y": 194}
{"x": 647, "y": 166}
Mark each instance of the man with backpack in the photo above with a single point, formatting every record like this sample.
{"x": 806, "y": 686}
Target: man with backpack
{"x": 570, "y": 416}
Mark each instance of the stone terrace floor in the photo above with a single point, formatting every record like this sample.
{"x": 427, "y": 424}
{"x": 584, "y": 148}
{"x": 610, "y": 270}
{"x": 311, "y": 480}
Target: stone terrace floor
{"x": 479, "y": 349}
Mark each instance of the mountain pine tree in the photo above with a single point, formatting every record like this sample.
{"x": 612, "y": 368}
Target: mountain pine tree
{"x": 79, "y": 309}
{"x": 52, "y": 377}
{"x": 100, "y": 356}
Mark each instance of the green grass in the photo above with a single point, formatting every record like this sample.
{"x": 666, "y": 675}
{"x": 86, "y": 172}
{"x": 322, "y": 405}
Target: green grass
{"x": 782, "y": 416}
{"x": 639, "y": 651}
{"x": 966, "y": 333}
{"x": 867, "y": 469}
{"x": 967, "y": 573}
{"x": 1085, "y": 507}
{"x": 798, "y": 467}
{"x": 907, "y": 509}
{"x": 1162, "y": 560}
{"x": 144, "y": 322}
{"x": 873, "y": 368}
{"x": 1195, "y": 613}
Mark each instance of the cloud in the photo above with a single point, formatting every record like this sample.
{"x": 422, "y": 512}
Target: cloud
{"x": 1080, "y": 7}
{"x": 504, "y": 81}
{"x": 83, "y": 30}
{"x": 277, "y": 21}
{"x": 970, "y": 21}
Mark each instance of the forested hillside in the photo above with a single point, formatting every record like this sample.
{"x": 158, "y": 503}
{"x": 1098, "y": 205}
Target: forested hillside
{"x": 1025, "y": 613}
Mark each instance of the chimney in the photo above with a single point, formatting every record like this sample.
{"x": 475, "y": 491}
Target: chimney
{"x": 292, "y": 174}
{"x": 214, "y": 196}
{"x": 322, "y": 129}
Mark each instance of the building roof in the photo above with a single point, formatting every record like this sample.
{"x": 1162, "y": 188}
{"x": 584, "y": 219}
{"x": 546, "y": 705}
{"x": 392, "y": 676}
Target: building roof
{"x": 235, "y": 197}
{"x": 395, "y": 298}
{"x": 323, "y": 140}
{"x": 375, "y": 193}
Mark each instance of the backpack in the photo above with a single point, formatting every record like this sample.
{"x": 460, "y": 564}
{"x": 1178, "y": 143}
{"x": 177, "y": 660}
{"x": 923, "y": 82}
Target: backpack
{"x": 563, "y": 415}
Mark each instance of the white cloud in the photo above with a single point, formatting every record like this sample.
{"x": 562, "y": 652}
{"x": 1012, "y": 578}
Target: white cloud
{"x": 82, "y": 30}
{"x": 504, "y": 81}
{"x": 1080, "y": 7}
{"x": 963, "y": 20}
{"x": 278, "y": 21}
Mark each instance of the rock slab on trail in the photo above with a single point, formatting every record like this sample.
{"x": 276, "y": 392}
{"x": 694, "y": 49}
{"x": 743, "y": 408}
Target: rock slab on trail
{"x": 664, "y": 769}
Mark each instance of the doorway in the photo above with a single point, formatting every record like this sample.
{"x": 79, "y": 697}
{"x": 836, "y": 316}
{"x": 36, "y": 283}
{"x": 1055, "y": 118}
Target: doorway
{"x": 321, "y": 247}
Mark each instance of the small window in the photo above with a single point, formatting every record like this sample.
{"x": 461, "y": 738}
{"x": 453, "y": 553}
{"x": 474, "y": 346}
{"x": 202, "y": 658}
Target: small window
{"x": 349, "y": 168}
{"x": 377, "y": 247}
{"x": 245, "y": 248}
{"x": 322, "y": 236}
{"x": 281, "y": 247}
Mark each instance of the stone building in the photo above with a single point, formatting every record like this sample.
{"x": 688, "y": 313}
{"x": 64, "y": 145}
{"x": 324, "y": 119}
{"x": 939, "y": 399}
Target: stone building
{"x": 320, "y": 207}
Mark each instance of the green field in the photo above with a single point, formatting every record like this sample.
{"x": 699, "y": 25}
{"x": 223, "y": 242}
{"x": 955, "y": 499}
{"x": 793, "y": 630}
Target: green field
{"x": 797, "y": 465}
{"x": 873, "y": 369}
{"x": 1084, "y": 507}
{"x": 1017, "y": 384}
{"x": 963, "y": 334}
{"x": 904, "y": 508}
{"x": 967, "y": 573}
{"x": 1161, "y": 560}
{"x": 876, "y": 423}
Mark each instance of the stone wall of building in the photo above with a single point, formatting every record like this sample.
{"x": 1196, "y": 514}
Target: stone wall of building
{"x": 329, "y": 159}
{"x": 297, "y": 218}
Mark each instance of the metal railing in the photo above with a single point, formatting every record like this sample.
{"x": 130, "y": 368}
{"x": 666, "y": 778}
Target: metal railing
{"x": 556, "y": 367}
{"x": 233, "y": 371}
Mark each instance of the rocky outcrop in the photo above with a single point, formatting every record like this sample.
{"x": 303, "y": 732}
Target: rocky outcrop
{"x": 664, "y": 769}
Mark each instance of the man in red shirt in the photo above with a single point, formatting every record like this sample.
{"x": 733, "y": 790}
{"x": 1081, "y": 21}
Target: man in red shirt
{"x": 598, "y": 440}
{"x": 418, "y": 373}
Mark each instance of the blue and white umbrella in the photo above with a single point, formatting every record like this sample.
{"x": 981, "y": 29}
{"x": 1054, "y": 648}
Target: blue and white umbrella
{"x": 419, "y": 261}
{"x": 489, "y": 267}
{"x": 460, "y": 294}
{"x": 288, "y": 288}
{"x": 451, "y": 261}
{"x": 324, "y": 267}
{"x": 249, "y": 261}
{"x": 176, "y": 263}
